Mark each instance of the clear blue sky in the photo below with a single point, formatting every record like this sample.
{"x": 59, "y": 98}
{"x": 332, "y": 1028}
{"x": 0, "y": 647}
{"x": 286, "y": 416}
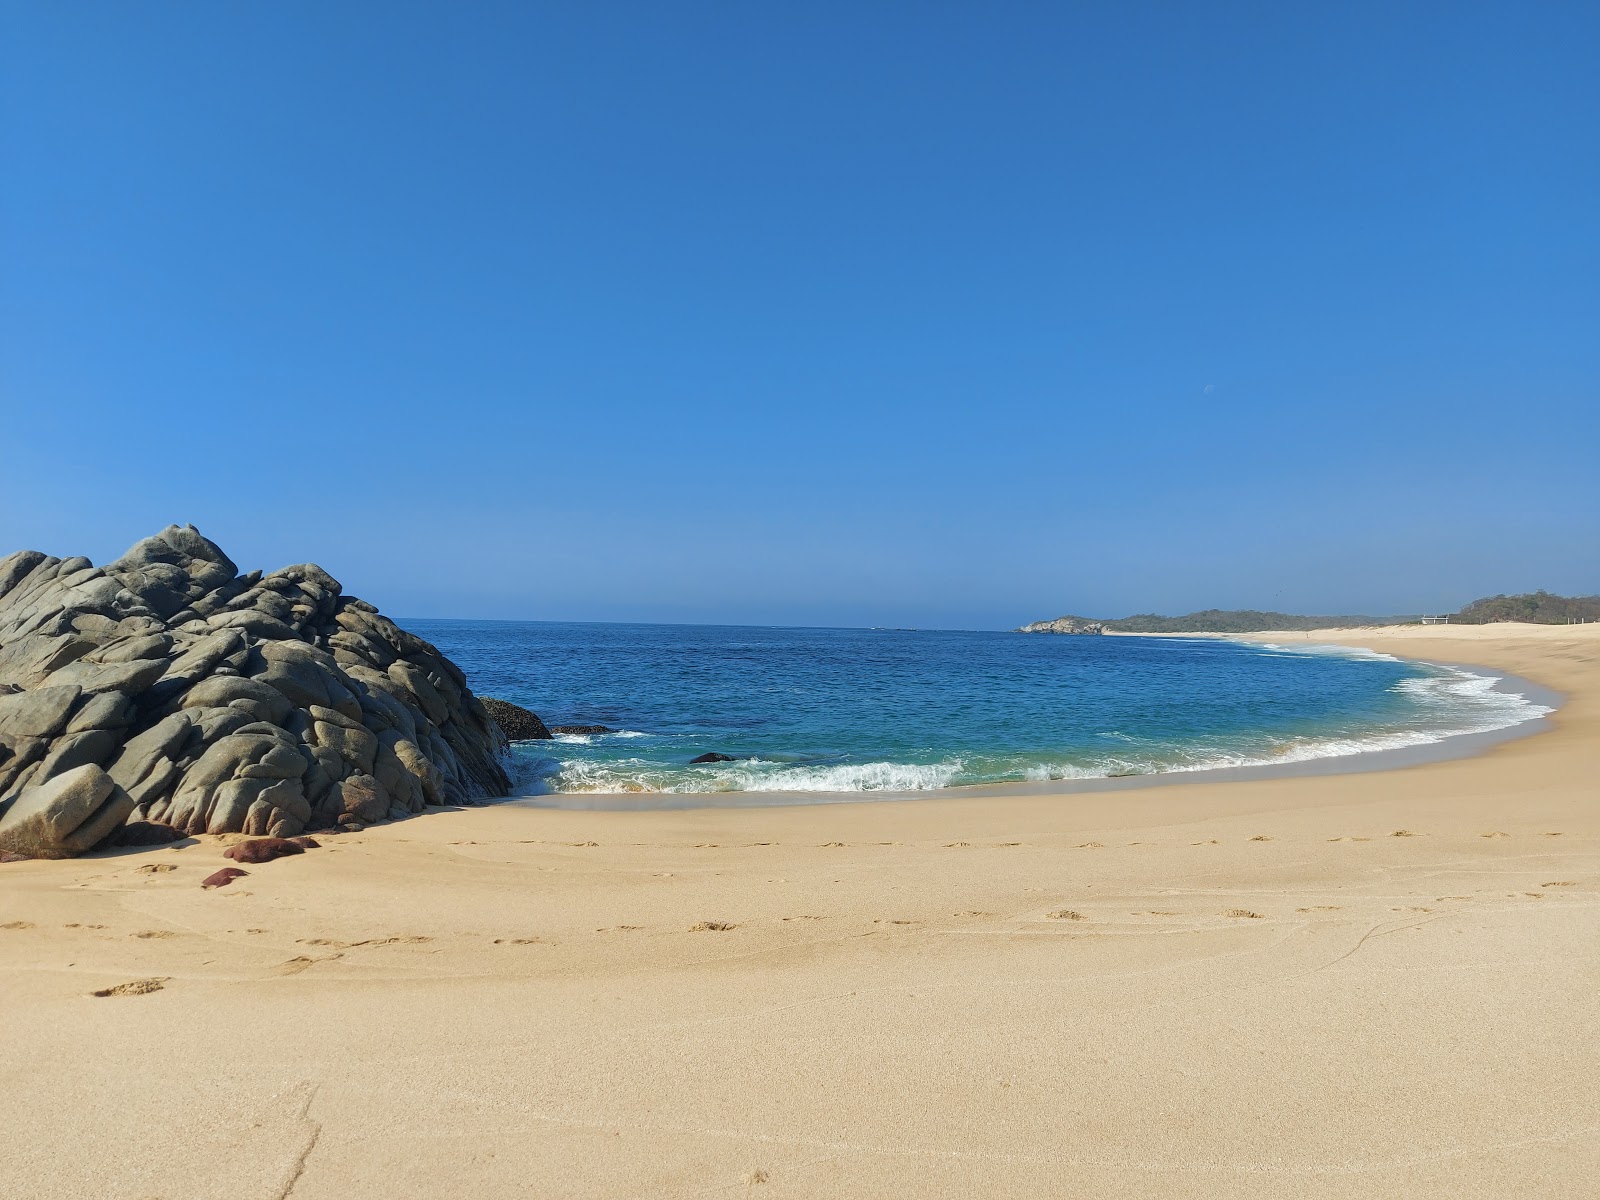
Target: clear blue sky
{"x": 867, "y": 313}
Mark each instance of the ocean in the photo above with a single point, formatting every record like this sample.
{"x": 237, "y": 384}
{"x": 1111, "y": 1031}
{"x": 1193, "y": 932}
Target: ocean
{"x": 875, "y": 710}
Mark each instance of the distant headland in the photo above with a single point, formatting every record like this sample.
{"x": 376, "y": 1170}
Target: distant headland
{"x": 1536, "y": 608}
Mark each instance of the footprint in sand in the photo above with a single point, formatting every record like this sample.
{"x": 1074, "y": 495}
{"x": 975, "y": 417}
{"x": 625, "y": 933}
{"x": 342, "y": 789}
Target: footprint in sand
{"x": 1495, "y": 834}
{"x": 528, "y": 941}
{"x": 1559, "y": 883}
{"x": 1243, "y": 912}
{"x": 17, "y": 925}
{"x": 300, "y": 962}
{"x": 957, "y": 845}
{"x": 711, "y": 927}
{"x": 155, "y": 933}
{"x": 137, "y": 987}
{"x": 1552, "y": 835}
{"x": 805, "y": 917}
{"x": 832, "y": 845}
{"x": 1091, "y": 846}
{"x": 156, "y": 868}
{"x": 1403, "y": 833}
{"x": 581, "y": 845}
{"x": 620, "y": 929}
{"x": 1261, "y": 837}
{"x": 1321, "y": 908}
{"x": 1064, "y": 914}
{"x": 1160, "y": 912}
{"x": 1207, "y": 842}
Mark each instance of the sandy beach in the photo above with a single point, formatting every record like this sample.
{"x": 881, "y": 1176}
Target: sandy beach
{"x": 1365, "y": 985}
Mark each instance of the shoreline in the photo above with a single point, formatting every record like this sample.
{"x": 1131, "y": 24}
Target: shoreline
{"x": 1442, "y": 749}
{"x": 1373, "y": 984}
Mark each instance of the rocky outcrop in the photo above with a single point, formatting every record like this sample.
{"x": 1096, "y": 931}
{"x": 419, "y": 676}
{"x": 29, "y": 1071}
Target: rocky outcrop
{"x": 1065, "y": 625}
{"x": 168, "y": 688}
{"x": 518, "y": 724}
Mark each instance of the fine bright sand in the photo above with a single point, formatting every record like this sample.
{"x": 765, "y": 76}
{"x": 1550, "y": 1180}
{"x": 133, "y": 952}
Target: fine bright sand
{"x": 1380, "y": 984}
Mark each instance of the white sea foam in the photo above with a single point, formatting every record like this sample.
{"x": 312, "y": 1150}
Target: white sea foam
{"x": 753, "y": 775}
{"x": 1323, "y": 650}
{"x": 589, "y": 739}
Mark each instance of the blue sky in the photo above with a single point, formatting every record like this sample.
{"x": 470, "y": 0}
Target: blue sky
{"x": 913, "y": 314}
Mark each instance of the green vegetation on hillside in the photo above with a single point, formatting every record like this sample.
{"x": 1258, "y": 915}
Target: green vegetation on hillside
{"x": 1536, "y": 608}
{"x": 1216, "y": 620}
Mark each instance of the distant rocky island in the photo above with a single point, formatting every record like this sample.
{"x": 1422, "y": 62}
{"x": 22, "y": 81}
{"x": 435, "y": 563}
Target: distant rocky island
{"x": 167, "y": 694}
{"x": 1540, "y": 608}
{"x": 1082, "y": 625}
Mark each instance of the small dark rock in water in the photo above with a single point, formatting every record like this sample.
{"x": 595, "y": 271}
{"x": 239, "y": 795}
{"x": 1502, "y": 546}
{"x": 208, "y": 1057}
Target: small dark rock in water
{"x": 145, "y": 833}
{"x": 263, "y": 850}
{"x": 516, "y": 722}
{"x": 222, "y": 878}
{"x": 711, "y": 758}
{"x": 580, "y": 729}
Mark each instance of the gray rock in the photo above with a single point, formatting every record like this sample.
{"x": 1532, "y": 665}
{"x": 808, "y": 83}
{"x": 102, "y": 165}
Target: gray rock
{"x": 221, "y": 702}
{"x": 107, "y": 710}
{"x": 129, "y": 677}
{"x": 40, "y": 712}
{"x": 364, "y": 798}
{"x": 263, "y": 702}
{"x": 74, "y": 750}
{"x": 70, "y": 814}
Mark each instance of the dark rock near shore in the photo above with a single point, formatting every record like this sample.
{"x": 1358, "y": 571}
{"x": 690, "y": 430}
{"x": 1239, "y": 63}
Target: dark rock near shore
{"x": 263, "y": 850}
{"x": 582, "y": 730}
{"x": 167, "y": 689}
{"x": 713, "y": 758}
{"x": 516, "y": 722}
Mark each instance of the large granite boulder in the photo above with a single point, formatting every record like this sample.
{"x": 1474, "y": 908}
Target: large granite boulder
{"x": 66, "y": 815}
{"x": 166, "y": 687}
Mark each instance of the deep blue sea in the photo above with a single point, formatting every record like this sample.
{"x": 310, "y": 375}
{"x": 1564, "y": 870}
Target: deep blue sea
{"x": 845, "y": 710}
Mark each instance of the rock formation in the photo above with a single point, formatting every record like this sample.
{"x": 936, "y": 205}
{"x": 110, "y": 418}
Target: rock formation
{"x": 1065, "y": 625}
{"x": 166, "y": 687}
{"x": 518, "y": 724}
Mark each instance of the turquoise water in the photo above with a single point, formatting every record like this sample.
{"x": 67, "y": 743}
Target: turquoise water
{"x": 845, "y": 710}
